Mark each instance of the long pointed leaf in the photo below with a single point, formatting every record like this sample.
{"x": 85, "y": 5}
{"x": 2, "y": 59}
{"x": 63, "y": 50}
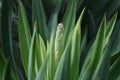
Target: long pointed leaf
{"x": 31, "y": 60}
{"x": 41, "y": 73}
{"x": 69, "y": 19}
{"x": 94, "y": 53}
{"x": 7, "y": 9}
{"x": 38, "y": 15}
{"x": 109, "y": 28}
{"x": 24, "y": 36}
{"x": 75, "y": 53}
{"x": 115, "y": 70}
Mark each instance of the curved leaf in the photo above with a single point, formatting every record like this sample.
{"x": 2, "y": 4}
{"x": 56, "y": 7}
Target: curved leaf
{"x": 31, "y": 59}
{"x": 94, "y": 53}
{"x": 38, "y": 15}
{"x": 75, "y": 52}
{"x": 69, "y": 19}
{"x": 41, "y": 73}
{"x": 24, "y": 36}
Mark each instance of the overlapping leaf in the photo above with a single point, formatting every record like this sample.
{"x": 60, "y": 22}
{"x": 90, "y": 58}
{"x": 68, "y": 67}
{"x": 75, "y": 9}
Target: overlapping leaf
{"x": 41, "y": 73}
{"x": 94, "y": 53}
{"x": 115, "y": 70}
{"x": 69, "y": 19}
{"x": 38, "y": 15}
{"x": 32, "y": 53}
{"x": 75, "y": 52}
{"x": 24, "y": 36}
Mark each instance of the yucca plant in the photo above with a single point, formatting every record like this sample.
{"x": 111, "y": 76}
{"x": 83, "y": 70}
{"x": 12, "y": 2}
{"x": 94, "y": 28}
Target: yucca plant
{"x": 56, "y": 51}
{"x": 61, "y": 62}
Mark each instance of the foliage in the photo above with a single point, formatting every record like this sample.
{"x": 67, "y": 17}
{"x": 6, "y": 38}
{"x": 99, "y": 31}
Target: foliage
{"x": 84, "y": 46}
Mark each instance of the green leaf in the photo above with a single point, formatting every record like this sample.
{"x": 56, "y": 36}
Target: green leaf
{"x": 48, "y": 76}
{"x": 7, "y": 7}
{"x": 114, "y": 57}
{"x": 31, "y": 60}
{"x": 75, "y": 52}
{"x": 115, "y": 70}
{"x": 41, "y": 73}
{"x": 3, "y": 63}
{"x": 13, "y": 75}
{"x": 52, "y": 25}
{"x": 102, "y": 70}
{"x": 38, "y": 15}
{"x": 51, "y": 59}
{"x": 24, "y": 36}
{"x": 7, "y": 40}
{"x": 109, "y": 28}
{"x": 42, "y": 49}
{"x": 37, "y": 52}
{"x": 69, "y": 19}
{"x": 28, "y": 7}
{"x": 94, "y": 53}
{"x": 84, "y": 40}
{"x": 6, "y": 72}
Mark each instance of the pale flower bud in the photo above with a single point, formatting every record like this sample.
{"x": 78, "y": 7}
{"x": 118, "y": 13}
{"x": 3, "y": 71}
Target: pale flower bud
{"x": 58, "y": 41}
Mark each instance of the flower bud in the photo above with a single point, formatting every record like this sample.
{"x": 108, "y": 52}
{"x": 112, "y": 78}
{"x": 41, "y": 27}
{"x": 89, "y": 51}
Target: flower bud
{"x": 58, "y": 41}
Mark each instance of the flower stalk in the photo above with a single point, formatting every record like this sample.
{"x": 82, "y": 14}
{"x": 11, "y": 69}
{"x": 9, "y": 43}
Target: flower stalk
{"x": 59, "y": 42}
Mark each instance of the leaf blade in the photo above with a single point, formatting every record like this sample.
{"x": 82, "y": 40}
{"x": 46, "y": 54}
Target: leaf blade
{"x": 24, "y": 35}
